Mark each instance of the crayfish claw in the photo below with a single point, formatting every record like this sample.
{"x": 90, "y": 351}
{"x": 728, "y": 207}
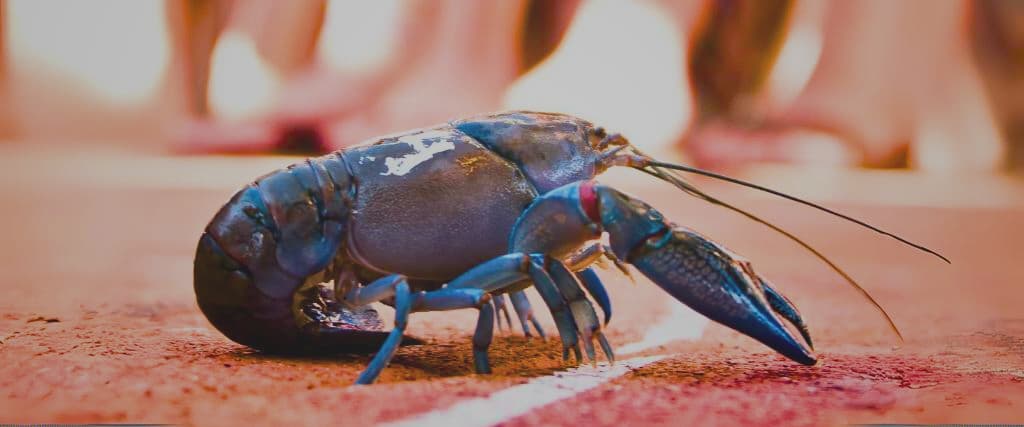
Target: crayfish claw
{"x": 722, "y": 286}
{"x": 785, "y": 308}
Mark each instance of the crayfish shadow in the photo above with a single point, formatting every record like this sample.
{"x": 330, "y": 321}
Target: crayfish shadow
{"x": 739, "y": 368}
{"x": 688, "y": 370}
{"x": 253, "y": 355}
{"x": 510, "y": 356}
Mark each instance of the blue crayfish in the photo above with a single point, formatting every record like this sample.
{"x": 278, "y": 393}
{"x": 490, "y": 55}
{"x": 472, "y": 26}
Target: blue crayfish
{"x": 459, "y": 216}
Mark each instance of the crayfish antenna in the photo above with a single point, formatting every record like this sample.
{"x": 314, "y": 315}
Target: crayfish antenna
{"x": 698, "y": 171}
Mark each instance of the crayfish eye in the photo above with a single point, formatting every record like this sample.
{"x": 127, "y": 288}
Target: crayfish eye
{"x": 251, "y": 211}
{"x": 597, "y": 136}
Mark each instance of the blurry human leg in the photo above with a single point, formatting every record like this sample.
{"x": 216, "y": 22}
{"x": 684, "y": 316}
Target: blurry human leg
{"x": 471, "y": 58}
{"x": 195, "y": 27}
{"x": 893, "y": 86}
{"x": 6, "y": 125}
{"x": 996, "y": 36}
{"x": 288, "y": 44}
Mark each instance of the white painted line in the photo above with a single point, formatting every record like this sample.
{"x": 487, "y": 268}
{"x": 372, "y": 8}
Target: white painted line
{"x": 521, "y": 399}
{"x": 681, "y": 323}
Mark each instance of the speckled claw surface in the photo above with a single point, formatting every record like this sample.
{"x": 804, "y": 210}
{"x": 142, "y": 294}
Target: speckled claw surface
{"x": 722, "y": 287}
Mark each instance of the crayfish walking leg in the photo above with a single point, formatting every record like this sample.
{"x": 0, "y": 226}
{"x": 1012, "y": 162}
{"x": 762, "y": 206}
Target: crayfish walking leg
{"x": 580, "y": 308}
{"x": 571, "y": 317}
{"x": 501, "y": 310}
{"x": 406, "y": 302}
{"x": 471, "y": 289}
{"x": 525, "y": 313}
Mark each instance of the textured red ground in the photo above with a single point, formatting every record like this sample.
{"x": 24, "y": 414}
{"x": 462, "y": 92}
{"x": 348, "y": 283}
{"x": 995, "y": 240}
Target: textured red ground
{"x": 98, "y": 321}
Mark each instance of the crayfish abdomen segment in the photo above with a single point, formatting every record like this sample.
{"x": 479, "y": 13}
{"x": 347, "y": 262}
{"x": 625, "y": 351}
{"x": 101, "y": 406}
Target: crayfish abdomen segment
{"x": 228, "y": 296}
{"x": 263, "y": 245}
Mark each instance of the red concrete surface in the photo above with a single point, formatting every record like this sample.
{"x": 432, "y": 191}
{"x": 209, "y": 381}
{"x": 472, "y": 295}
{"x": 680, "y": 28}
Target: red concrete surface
{"x": 98, "y": 322}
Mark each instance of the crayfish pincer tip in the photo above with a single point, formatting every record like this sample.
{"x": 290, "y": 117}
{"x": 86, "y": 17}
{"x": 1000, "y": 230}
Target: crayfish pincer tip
{"x": 792, "y": 349}
{"x": 811, "y": 360}
{"x": 777, "y": 337}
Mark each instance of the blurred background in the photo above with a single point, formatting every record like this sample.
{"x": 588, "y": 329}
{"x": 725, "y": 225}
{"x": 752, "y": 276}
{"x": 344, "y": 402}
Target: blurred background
{"x": 126, "y": 124}
{"x": 930, "y": 85}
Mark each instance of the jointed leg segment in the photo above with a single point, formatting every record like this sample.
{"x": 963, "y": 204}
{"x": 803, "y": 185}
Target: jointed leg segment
{"x": 558, "y": 285}
{"x": 525, "y": 313}
{"x": 406, "y": 302}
